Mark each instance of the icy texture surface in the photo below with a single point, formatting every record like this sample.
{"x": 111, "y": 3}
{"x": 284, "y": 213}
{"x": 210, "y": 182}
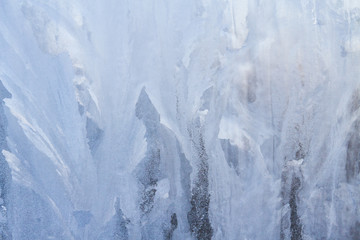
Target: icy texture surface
{"x": 179, "y": 119}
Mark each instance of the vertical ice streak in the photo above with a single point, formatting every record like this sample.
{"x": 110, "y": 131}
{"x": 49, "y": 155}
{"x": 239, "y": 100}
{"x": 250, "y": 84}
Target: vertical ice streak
{"x": 5, "y": 173}
{"x": 198, "y": 216}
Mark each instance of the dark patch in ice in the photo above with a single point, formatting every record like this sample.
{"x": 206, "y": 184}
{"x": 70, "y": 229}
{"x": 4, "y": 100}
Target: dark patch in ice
{"x": 343, "y": 51}
{"x": 232, "y": 153}
{"x": 121, "y": 231}
{"x": 185, "y": 172}
{"x": 81, "y": 109}
{"x": 146, "y": 112}
{"x": 240, "y": 159}
{"x": 82, "y": 217}
{"x": 355, "y": 101}
{"x": 251, "y": 89}
{"x": 352, "y": 165}
{"x": 147, "y": 200}
{"x": 168, "y": 233}
{"x": 148, "y": 170}
{"x": 300, "y": 153}
{"x": 296, "y": 225}
{"x": 206, "y": 99}
{"x": 290, "y": 225}
{"x": 148, "y": 174}
{"x": 198, "y": 216}
{"x": 94, "y": 134}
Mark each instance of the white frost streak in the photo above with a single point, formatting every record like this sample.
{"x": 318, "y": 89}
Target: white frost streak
{"x": 42, "y": 143}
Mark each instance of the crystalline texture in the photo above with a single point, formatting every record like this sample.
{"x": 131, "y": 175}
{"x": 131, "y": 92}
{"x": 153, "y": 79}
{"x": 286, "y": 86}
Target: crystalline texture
{"x": 181, "y": 119}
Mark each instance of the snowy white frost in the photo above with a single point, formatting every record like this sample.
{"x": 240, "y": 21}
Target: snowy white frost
{"x": 179, "y": 119}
